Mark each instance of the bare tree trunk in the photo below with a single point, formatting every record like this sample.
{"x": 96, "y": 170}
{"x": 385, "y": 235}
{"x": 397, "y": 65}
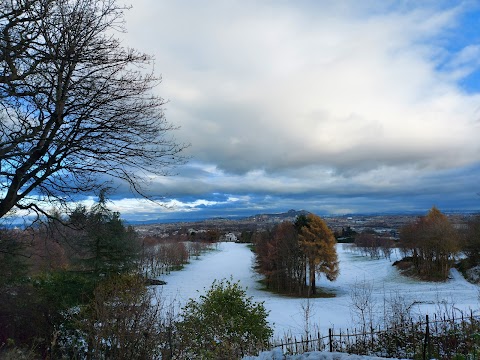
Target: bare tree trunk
{"x": 313, "y": 289}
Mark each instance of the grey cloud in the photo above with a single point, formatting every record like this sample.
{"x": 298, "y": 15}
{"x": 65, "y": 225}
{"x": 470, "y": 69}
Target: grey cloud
{"x": 312, "y": 98}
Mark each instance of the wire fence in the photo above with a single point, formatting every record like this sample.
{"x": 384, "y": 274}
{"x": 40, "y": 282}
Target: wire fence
{"x": 438, "y": 337}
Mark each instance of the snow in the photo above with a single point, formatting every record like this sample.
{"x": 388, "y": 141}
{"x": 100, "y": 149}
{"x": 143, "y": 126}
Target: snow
{"x": 286, "y": 316}
{"x": 277, "y": 354}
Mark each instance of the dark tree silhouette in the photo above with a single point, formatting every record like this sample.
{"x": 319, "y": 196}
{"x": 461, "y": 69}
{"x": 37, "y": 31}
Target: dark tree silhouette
{"x": 76, "y": 107}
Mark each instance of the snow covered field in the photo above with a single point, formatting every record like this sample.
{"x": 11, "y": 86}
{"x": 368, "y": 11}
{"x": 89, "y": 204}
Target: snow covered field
{"x": 286, "y": 314}
{"x": 277, "y": 354}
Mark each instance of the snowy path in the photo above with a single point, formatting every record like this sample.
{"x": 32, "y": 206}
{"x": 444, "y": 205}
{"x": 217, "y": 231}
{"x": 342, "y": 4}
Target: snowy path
{"x": 236, "y": 260}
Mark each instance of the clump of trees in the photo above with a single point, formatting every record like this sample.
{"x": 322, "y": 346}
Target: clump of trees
{"x": 346, "y": 235}
{"x": 280, "y": 260}
{"x": 430, "y": 246}
{"x": 102, "y": 244}
{"x": 13, "y": 261}
{"x": 471, "y": 245}
{"x": 368, "y": 243}
{"x": 168, "y": 252}
{"x": 292, "y": 254}
{"x": 161, "y": 257}
{"x": 469, "y": 265}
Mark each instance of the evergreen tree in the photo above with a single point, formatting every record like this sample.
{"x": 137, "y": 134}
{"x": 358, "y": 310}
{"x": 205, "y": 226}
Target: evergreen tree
{"x": 12, "y": 261}
{"x": 106, "y": 246}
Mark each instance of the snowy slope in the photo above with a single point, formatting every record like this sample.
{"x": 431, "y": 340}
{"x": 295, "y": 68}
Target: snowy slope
{"x": 286, "y": 314}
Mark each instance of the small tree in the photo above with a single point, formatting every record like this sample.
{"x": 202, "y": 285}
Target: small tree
{"x": 362, "y": 304}
{"x": 223, "y": 324}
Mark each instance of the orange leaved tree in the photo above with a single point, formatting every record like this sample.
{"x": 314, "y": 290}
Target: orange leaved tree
{"x": 433, "y": 243}
{"x": 318, "y": 244}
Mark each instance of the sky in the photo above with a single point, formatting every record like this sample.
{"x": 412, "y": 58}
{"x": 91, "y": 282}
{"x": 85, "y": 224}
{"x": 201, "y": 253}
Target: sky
{"x": 335, "y": 107}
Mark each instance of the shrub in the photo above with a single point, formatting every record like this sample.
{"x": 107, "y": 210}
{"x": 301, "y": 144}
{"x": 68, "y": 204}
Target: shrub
{"x": 223, "y": 324}
{"x": 122, "y": 321}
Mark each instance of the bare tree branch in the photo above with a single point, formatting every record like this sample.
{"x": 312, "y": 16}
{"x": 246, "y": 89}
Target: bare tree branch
{"x": 75, "y": 106}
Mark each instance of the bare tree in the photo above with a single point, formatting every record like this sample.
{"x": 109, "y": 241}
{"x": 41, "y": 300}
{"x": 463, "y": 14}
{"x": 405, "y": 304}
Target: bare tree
{"x": 76, "y": 107}
{"x": 308, "y": 312}
{"x": 362, "y": 304}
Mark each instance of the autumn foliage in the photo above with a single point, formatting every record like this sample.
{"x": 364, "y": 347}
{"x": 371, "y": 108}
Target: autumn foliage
{"x": 318, "y": 244}
{"x": 431, "y": 244}
{"x": 291, "y": 255}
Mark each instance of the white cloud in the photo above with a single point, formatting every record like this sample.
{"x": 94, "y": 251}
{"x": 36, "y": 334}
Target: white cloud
{"x": 152, "y": 209}
{"x": 294, "y": 96}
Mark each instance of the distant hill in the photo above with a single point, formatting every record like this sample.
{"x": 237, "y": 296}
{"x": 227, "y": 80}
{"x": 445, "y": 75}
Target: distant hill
{"x": 271, "y": 218}
{"x": 238, "y": 225}
{"x": 290, "y": 214}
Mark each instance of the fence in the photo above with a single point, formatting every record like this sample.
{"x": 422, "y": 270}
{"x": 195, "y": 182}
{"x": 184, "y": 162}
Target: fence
{"x": 438, "y": 337}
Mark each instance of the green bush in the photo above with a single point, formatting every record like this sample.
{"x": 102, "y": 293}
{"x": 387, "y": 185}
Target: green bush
{"x": 223, "y": 324}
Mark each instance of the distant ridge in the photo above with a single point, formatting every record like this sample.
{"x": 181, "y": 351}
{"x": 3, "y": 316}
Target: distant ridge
{"x": 285, "y": 215}
{"x": 281, "y": 216}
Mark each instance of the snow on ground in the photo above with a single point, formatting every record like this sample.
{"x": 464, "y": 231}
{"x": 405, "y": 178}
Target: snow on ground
{"x": 277, "y": 354}
{"x": 286, "y": 314}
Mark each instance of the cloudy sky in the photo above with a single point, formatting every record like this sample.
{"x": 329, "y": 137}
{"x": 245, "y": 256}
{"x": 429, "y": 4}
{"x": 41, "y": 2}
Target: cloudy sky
{"x": 330, "y": 106}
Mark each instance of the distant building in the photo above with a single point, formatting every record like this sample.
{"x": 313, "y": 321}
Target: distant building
{"x": 229, "y": 237}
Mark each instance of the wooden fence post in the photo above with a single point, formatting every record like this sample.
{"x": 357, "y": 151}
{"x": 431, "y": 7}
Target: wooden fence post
{"x": 427, "y": 339}
{"x": 348, "y": 341}
{"x": 373, "y": 337}
{"x": 330, "y": 339}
